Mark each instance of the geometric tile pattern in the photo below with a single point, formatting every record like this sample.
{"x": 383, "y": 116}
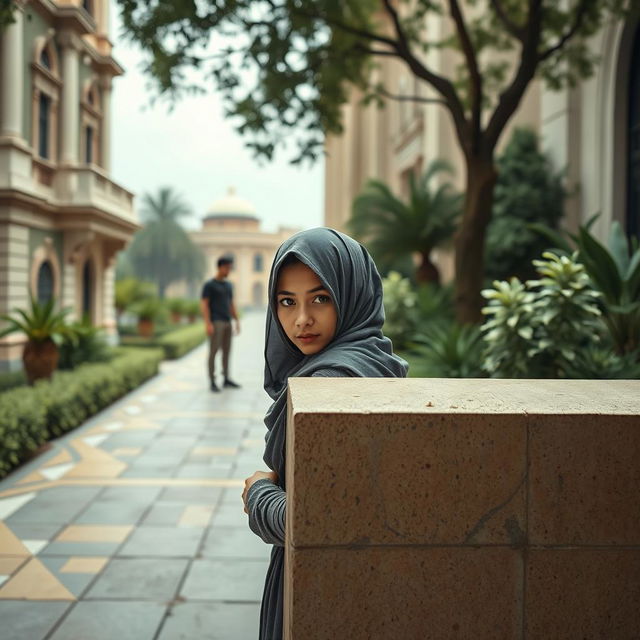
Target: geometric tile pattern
{"x": 131, "y": 526}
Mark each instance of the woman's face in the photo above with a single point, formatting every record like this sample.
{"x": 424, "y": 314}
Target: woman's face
{"x": 306, "y": 311}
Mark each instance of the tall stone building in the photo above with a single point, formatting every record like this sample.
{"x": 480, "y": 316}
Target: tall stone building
{"x": 62, "y": 219}
{"x": 592, "y": 130}
{"x": 232, "y": 228}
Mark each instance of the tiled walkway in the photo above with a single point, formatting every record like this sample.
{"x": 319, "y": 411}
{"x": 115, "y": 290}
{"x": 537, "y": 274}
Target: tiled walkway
{"x": 131, "y": 527}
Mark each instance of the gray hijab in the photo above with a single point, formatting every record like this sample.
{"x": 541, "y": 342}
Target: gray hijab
{"x": 359, "y": 349}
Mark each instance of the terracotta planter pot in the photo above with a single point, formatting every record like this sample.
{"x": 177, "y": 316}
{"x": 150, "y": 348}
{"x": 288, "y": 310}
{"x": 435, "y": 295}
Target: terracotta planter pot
{"x": 145, "y": 328}
{"x": 40, "y": 359}
{"x": 192, "y": 318}
{"x": 176, "y": 317}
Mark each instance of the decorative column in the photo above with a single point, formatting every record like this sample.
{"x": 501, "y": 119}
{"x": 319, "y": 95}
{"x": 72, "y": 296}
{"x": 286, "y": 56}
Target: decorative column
{"x": 70, "y": 97}
{"x": 11, "y": 92}
{"x": 105, "y": 137}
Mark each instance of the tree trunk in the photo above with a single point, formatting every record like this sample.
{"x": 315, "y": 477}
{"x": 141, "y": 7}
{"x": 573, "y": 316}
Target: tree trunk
{"x": 469, "y": 241}
{"x": 427, "y": 272}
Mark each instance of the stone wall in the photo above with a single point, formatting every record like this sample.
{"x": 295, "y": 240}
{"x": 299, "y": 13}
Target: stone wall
{"x": 427, "y": 508}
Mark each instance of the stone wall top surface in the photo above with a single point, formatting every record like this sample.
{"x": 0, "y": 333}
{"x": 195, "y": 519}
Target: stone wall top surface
{"x": 463, "y": 396}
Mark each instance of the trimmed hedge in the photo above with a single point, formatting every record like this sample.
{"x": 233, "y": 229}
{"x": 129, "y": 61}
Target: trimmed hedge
{"x": 29, "y": 416}
{"x": 12, "y": 379}
{"x": 177, "y": 343}
{"x": 174, "y": 343}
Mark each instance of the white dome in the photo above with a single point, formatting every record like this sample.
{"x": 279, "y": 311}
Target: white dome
{"x": 231, "y": 205}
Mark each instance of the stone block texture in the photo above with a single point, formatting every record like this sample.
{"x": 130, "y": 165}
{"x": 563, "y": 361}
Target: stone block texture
{"x": 425, "y": 508}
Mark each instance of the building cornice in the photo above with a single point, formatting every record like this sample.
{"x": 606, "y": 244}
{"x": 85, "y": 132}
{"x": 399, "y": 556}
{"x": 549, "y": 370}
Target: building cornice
{"x": 45, "y": 215}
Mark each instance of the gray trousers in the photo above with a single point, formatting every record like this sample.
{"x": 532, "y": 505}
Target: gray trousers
{"x": 221, "y": 338}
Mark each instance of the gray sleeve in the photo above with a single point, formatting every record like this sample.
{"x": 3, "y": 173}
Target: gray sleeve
{"x": 267, "y": 502}
{"x": 267, "y": 507}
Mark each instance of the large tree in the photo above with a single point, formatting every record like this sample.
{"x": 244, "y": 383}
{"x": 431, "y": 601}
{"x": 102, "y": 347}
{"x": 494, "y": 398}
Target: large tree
{"x": 162, "y": 252}
{"x": 285, "y": 67}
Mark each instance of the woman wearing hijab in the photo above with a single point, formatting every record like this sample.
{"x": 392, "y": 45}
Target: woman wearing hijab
{"x": 324, "y": 319}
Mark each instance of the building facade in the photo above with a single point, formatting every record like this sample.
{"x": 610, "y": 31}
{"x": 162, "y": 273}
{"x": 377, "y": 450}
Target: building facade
{"x": 592, "y": 131}
{"x": 62, "y": 219}
{"x": 231, "y": 228}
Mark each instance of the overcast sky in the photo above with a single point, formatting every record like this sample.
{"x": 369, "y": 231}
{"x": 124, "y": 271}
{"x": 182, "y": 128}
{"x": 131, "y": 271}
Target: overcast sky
{"x": 196, "y": 151}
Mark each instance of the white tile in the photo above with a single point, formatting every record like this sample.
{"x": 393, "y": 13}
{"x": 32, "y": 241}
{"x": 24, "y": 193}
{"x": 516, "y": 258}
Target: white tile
{"x": 57, "y": 471}
{"x": 133, "y": 411}
{"x": 148, "y": 399}
{"x": 35, "y": 546}
{"x": 11, "y": 505}
{"x": 114, "y": 426}
{"x": 95, "y": 441}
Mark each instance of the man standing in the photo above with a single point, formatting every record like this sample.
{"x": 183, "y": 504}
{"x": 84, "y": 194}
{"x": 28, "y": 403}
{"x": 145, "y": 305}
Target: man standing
{"x": 217, "y": 310}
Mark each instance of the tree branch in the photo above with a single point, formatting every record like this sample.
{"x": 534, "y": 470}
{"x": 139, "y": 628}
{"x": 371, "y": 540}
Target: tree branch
{"x": 516, "y": 31}
{"x": 511, "y": 96}
{"x": 441, "y": 84}
{"x": 393, "y": 96}
{"x": 580, "y": 13}
{"x": 474, "y": 72}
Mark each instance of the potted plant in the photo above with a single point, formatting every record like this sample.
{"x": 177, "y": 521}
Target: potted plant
{"x": 129, "y": 291}
{"x": 148, "y": 311}
{"x": 177, "y": 308}
{"x": 45, "y": 328}
{"x": 192, "y": 310}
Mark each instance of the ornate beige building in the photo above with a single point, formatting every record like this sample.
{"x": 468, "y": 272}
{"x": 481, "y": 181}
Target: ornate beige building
{"x": 62, "y": 219}
{"x": 592, "y": 130}
{"x": 231, "y": 227}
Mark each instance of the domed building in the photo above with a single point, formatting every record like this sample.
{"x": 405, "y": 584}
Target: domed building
{"x": 231, "y": 227}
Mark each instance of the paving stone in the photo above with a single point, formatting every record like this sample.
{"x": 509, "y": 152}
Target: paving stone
{"x": 212, "y": 621}
{"x": 164, "y": 514}
{"x": 234, "y": 542}
{"x": 203, "y": 471}
{"x": 80, "y": 549}
{"x": 58, "y": 505}
{"x": 156, "y": 541}
{"x": 110, "y": 621}
{"x": 76, "y": 583}
{"x": 225, "y": 580}
{"x": 139, "y": 579}
{"x": 102, "y": 512}
{"x": 192, "y": 495}
{"x": 227, "y": 515}
{"x": 36, "y": 530}
{"x": 22, "y": 620}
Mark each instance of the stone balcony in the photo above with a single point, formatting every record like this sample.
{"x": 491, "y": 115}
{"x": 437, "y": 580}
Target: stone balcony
{"x": 481, "y": 509}
{"x": 66, "y": 188}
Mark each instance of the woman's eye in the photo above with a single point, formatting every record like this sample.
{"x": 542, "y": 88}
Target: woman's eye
{"x": 322, "y": 299}
{"x": 286, "y": 302}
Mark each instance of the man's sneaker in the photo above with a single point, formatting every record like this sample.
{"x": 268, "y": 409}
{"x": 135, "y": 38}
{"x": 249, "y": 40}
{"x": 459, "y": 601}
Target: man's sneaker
{"x": 231, "y": 384}
{"x": 214, "y": 387}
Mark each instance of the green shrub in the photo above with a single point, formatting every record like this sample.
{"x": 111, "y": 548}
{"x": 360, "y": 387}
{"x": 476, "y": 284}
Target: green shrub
{"x": 528, "y": 191}
{"x": 29, "y": 416}
{"x": 85, "y": 344}
{"x": 449, "y": 351}
{"x": 12, "y": 379}
{"x": 177, "y": 343}
{"x": 536, "y": 329}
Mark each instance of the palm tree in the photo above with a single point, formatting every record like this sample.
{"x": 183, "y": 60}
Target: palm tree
{"x": 393, "y": 229}
{"x": 162, "y": 252}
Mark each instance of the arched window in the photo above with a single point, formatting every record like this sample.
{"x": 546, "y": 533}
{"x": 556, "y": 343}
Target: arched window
{"x": 45, "y": 58}
{"x": 258, "y": 263}
{"x": 45, "y": 282}
{"x": 633, "y": 170}
{"x": 87, "y": 289}
{"x": 44, "y": 125}
{"x": 88, "y": 144}
{"x": 87, "y": 5}
{"x": 91, "y": 116}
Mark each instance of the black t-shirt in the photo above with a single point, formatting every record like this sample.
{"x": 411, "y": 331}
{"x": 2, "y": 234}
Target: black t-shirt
{"x": 219, "y": 293}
